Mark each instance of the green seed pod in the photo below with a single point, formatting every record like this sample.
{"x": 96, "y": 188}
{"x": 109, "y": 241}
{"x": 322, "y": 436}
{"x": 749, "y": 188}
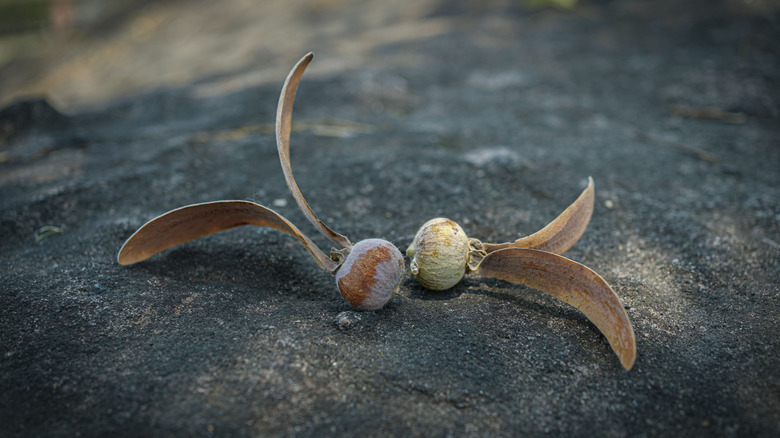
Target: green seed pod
{"x": 439, "y": 254}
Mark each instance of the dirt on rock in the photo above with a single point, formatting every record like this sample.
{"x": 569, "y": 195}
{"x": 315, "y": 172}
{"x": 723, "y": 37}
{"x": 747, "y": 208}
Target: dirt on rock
{"x": 490, "y": 113}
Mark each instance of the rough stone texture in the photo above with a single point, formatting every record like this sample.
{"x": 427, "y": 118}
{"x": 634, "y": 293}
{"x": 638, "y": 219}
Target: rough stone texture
{"x": 488, "y": 113}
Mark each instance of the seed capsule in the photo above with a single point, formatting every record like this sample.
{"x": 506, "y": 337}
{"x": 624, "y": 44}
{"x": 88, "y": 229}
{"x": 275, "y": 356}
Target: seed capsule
{"x": 370, "y": 274}
{"x": 367, "y": 273}
{"x": 442, "y": 253}
{"x": 439, "y": 254}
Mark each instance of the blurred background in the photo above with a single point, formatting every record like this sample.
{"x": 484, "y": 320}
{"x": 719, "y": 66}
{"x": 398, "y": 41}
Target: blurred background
{"x": 82, "y": 53}
{"x": 491, "y": 112}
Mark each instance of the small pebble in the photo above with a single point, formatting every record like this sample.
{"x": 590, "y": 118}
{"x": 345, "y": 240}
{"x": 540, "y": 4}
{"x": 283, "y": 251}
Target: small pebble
{"x": 347, "y": 319}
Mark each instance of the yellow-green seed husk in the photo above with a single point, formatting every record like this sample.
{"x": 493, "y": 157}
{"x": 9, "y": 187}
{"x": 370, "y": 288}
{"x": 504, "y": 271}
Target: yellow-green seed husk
{"x": 439, "y": 254}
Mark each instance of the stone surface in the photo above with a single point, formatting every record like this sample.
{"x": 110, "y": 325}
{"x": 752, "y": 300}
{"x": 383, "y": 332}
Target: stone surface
{"x": 488, "y": 113}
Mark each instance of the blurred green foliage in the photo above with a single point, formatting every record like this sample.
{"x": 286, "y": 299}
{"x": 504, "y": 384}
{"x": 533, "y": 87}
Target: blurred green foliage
{"x": 23, "y": 15}
{"x": 563, "y": 4}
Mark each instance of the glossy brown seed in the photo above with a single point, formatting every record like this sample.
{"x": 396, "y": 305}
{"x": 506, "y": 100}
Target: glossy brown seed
{"x": 371, "y": 274}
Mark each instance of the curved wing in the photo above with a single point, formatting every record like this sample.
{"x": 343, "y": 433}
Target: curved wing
{"x": 572, "y": 283}
{"x": 283, "y": 127}
{"x": 560, "y": 234}
{"x": 193, "y": 221}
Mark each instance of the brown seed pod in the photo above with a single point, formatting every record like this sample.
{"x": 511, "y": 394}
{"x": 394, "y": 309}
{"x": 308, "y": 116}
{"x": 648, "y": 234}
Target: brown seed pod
{"x": 370, "y": 274}
{"x": 441, "y": 252}
{"x": 367, "y": 273}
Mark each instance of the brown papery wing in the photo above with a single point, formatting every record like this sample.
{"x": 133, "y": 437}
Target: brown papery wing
{"x": 283, "y": 127}
{"x": 559, "y": 235}
{"x": 193, "y": 221}
{"x": 572, "y": 283}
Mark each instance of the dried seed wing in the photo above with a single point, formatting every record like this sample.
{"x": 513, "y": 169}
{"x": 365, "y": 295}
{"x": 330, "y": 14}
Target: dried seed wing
{"x": 572, "y": 283}
{"x": 283, "y": 127}
{"x": 193, "y": 221}
{"x": 559, "y": 235}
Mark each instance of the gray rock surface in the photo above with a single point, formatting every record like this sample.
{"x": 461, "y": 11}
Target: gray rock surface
{"x": 495, "y": 117}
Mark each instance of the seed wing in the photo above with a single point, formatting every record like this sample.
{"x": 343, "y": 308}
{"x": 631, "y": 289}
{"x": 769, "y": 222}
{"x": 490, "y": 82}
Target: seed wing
{"x": 560, "y": 234}
{"x": 194, "y": 221}
{"x": 572, "y": 283}
{"x": 283, "y": 127}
